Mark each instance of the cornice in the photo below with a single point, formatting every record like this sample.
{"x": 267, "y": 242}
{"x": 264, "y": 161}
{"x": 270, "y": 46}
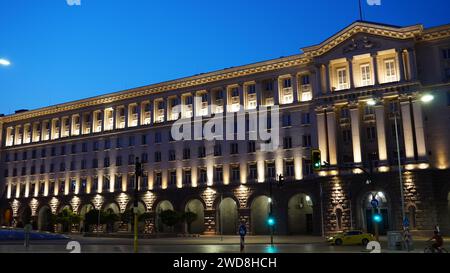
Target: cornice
{"x": 415, "y": 32}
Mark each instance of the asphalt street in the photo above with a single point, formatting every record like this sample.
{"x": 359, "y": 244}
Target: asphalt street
{"x": 207, "y": 244}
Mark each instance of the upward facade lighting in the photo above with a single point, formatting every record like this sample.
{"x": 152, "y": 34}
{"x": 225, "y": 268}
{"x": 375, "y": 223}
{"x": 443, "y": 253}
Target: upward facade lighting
{"x": 371, "y": 102}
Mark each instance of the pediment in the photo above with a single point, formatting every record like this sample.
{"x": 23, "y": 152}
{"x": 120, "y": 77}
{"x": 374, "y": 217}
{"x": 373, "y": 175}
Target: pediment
{"x": 363, "y": 37}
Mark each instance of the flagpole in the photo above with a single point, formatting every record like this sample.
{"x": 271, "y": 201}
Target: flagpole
{"x": 360, "y": 11}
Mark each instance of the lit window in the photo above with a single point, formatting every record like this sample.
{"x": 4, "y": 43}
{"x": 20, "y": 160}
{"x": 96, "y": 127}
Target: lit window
{"x": 365, "y": 75}
{"x": 342, "y": 78}
{"x": 390, "y": 72}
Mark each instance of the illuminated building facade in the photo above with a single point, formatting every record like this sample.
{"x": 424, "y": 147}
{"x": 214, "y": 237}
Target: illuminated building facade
{"x": 341, "y": 96}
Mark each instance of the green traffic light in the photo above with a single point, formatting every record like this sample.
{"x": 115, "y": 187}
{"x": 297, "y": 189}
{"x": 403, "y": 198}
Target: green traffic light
{"x": 271, "y": 221}
{"x": 377, "y": 218}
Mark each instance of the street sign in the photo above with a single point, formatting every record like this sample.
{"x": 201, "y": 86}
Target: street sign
{"x": 406, "y": 222}
{"x": 374, "y": 203}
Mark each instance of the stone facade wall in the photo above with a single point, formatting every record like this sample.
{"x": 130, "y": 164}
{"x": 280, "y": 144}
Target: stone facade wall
{"x": 342, "y": 201}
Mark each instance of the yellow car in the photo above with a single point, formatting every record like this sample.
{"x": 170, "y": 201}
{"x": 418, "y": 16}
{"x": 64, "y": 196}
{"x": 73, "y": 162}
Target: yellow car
{"x": 351, "y": 237}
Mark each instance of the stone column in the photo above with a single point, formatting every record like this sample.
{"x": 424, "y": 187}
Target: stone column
{"x": 331, "y": 125}
{"x": 350, "y": 72}
{"x": 407, "y": 130}
{"x": 327, "y": 79}
{"x": 381, "y": 132}
{"x": 276, "y": 92}
{"x": 322, "y": 134}
{"x": 317, "y": 86}
{"x": 374, "y": 57}
{"x": 418, "y": 127}
{"x": 294, "y": 88}
{"x": 401, "y": 65}
{"x": 356, "y": 139}
{"x": 412, "y": 64}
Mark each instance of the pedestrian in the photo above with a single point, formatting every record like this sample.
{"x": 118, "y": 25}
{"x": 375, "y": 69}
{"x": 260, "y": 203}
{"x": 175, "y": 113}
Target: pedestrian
{"x": 407, "y": 238}
{"x": 28, "y": 227}
{"x": 242, "y": 233}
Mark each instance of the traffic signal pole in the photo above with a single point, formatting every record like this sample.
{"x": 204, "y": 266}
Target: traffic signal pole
{"x": 137, "y": 174}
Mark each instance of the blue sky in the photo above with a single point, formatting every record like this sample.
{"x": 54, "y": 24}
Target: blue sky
{"x": 61, "y": 53}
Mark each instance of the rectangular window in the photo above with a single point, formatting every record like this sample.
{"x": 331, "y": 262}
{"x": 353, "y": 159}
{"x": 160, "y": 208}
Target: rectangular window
{"x": 107, "y": 144}
{"x": 131, "y": 158}
{"x": 118, "y": 142}
{"x": 286, "y": 120}
{"x": 306, "y": 140}
{"x": 158, "y": 137}
{"x": 118, "y": 183}
{"x": 371, "y": 133}
{"x": 83, "y": 185}
{"x": 73, "y": 149}
{"x": 203, "y": 176}
{"x": 119, "y": 161}
{"x": 131, "y": 141}
{"x": 158, "y": 156}
{"x": 270, "y": 168}
{"x": 446, "y": 53}
{"x": 218, "y": 174}
{"x": 53, "y": 151}
{"x": 235, "y": 174}
{"x": 393, "y": 107}
{"x": 96, "y": 146}
{"x": 186, "y": 153}
{"x": 289, "y": 168}
{"x": 347, "y": 136}
{"x": 305, "y": 80}
{"x": 172, "y": 156}
{"x": 390, "y": 72}
{"x": 62, "y": 187}
{"x": 84, "y": 148}
{"x": 63, "y": 150}
{"x": 201, "y": 152}
{"x": 144, "y": 158}
{"x": 106, "y": 162}
{"x": 172, "y": 178}
{"x": 234, "y": 148}
{"x": 342, "y": 78}
{"x": 73, "y": 185}
{"x": 287, "y": 143}
{"x": 62, "y": 167}
{"x": 158, "y": 179}
{"x": 144, "y": 139}
{"x": 287, "y": 83}
{"x": 306, "y": 118}
{"x": 252, "y": 172}
{"x": 217, "y": 150}
{"x": 366, "y": 78}
{"x": 307, "y": 167}
{"x": 187, "y": 177}
{"x": 94, "y": 187}
{"x": 43, "y": 154}
{"x": 251, "y": 146}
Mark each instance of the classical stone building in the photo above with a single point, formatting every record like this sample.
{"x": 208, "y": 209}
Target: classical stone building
{"x": 343, "y": 96}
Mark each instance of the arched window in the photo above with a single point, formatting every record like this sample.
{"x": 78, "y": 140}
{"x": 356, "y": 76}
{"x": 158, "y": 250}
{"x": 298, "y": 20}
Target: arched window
{"x": 339, "y": 218}
{"x": 412, "y": 216}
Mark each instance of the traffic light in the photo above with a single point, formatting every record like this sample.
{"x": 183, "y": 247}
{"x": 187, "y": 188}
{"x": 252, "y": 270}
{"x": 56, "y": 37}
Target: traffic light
{"x": 377, "y": 218}
{"x": 316, "y": 160}
{"x": 271, "y": 221}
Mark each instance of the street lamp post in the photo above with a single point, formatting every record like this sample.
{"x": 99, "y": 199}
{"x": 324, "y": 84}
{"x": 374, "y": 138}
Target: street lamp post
{"x": 399, "y": 167}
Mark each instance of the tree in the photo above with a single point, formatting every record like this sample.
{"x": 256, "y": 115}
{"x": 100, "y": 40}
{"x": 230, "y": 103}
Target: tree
{"x": 170, "y": 218}
{"x": 144, "y": 216}
{"x": 189, "y": 217}
{"x": 66, "y": 218}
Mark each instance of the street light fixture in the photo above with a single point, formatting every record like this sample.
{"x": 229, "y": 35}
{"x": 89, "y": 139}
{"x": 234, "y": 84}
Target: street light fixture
{"x": 426, "y": 98}
{"x": 5, "y": 62}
